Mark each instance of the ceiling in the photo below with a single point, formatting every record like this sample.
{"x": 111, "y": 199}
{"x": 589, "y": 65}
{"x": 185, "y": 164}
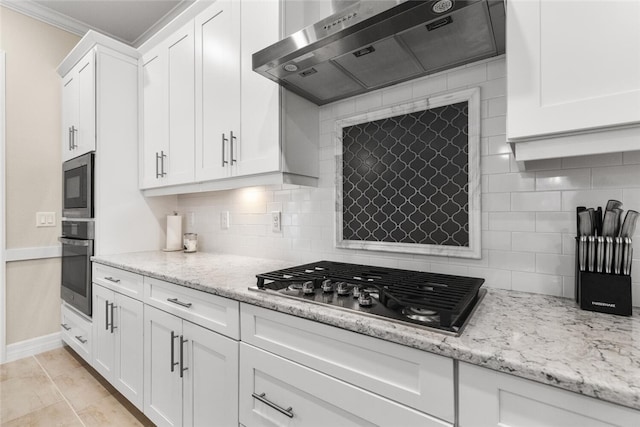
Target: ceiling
{"x": 130, "y": 21}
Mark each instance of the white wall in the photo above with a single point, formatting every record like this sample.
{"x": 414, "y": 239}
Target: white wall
{"x": 528, "y": 218}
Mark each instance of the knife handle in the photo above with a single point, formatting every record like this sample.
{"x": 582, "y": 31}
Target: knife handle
{"x": 582, "y": 252}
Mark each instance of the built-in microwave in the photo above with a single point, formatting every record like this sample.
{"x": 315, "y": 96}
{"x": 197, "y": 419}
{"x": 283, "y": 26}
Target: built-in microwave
{"x": 77, "y": 187}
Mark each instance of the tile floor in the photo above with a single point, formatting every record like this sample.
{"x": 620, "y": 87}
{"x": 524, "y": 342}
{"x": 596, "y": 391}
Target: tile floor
{"x": 58, "y": 388}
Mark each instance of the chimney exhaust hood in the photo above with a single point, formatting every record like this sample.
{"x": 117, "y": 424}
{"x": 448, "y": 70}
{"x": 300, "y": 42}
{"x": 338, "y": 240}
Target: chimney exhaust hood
{"x": 371, "y": 44}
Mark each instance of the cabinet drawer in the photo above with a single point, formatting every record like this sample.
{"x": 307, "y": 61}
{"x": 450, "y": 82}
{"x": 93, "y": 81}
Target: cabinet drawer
{"x": 277, "y": 391}
{"x": 210, "y": 311}
{"x": 416, "y": 378}
{"x": 76, "y": 332}
{"x": 124, "y": 282}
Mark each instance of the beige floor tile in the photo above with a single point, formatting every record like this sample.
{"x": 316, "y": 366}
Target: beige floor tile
{"x": 58, "y": 414}
{"x": 20, "y": 395}
{"x": 110, "y": 411}
{"x": 82, "y": 387}
{"x": 59, "y": 361}
{"x": 19, "y": 369}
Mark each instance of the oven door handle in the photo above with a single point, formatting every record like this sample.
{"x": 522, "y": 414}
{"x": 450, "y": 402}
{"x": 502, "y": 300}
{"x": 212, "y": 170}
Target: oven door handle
{"x": 74, "y": 242}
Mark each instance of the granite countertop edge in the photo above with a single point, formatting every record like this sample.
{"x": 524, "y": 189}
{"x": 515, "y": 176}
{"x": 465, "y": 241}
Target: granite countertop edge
{"x": 483, "y": 343}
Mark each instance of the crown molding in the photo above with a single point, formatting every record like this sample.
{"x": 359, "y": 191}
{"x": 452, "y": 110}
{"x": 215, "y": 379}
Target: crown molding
{"x": 51, "y": 17}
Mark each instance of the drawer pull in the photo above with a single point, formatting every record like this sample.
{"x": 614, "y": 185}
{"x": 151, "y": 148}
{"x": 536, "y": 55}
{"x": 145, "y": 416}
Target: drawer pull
{"x": 177, "y": 301}
{"x": 262, "y": 398}
{"x": 65, "y": 326}
{"x": 111, "y": 279}
{"x": 79, "y": 338}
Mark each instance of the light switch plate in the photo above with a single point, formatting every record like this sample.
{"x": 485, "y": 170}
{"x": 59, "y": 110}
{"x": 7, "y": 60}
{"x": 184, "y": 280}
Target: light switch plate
{"x": 276, "y": 221}
{"x": 224, "y": 220}
{"x": 45, "y": 219}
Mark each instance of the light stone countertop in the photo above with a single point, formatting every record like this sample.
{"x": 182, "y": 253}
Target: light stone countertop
{"x": 542, "y": 338}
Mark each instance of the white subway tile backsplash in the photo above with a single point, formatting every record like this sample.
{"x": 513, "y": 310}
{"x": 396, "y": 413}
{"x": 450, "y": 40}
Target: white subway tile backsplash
{"x": 537, "y": 242}
{"x": 512, "y": 182}
{"x": 467, "y": 76}
{"x": 567, "y": 179}
{"x": 496, "y": 202}
{"x": 537, "y": 283}
{"x": 497, "y": 164}
{"x": 616, "y": 177}
{"x": 512, "y": 221}
{"x": 555, "y": 222}
{"x": 515, "y": 261}
{"x": 588, "y": 198}
{"x": 631, "y": 158}
{"x": 610, "y": 159}
{"x": 563, "y": 265}
{"x": 536, "y": 201}
{"x": 527, "y": 219}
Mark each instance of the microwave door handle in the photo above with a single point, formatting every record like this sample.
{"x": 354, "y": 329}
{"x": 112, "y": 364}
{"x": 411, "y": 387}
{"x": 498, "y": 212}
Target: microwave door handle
{"x": 74, "y": 242}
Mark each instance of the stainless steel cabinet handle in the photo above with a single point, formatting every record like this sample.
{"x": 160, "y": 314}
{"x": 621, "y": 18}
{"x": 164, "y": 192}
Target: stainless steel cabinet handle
{"x": 162, "y": 157}
{"x": 262, "y": 398}
{"x": 157, "y": 158}
{"x": 173, "y": 337}
{"x": 106, "y": 315}
{"x": 224, "y": 162}
{"x": 70, "y": 146}
{"x": 73, "y": 138}
{"x": 79, "y": 338}
{"x": 113, "y": 307}
{"x": 111, "y": 279}
{"x": 182, "y": 368}
{"x": 231, "y": 139}
{"x": 176, "y": 301}
{"x": 65, "y": 326}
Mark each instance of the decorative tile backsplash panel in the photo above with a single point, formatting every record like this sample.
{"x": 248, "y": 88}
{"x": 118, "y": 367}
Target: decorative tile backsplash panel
{"x": 409, "y": 177}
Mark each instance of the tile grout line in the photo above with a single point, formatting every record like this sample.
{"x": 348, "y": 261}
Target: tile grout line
{"x": 59, "y": 391}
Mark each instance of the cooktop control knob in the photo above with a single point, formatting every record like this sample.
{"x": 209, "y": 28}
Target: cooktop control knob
{"x": 343, "y": 289}
{"x": 365, "y": 299}
{"x": 356, "y": 291}
{"x": 327, "y": 286}
{"x": 307, "y": 288}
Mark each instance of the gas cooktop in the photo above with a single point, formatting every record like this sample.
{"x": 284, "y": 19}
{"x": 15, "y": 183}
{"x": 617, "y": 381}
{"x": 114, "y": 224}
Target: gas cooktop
{"x": 437, "y": 302}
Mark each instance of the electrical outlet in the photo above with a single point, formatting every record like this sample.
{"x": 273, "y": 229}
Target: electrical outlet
{"x": 276, "y": 221}
{"x": 224, "y": 220}
{"x": 45, "y": 219}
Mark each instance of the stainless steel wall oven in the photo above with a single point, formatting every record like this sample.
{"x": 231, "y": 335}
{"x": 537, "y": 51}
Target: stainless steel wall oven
{"x": 77, "y": 250}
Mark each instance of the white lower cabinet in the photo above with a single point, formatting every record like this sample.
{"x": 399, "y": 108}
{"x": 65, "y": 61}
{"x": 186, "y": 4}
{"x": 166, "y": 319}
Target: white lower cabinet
{"x": 190, "y": 373}
{"x": 490, "y": 398}
{"x": 76, "y": 331}
{"x": 275, "y": 391}
{"x": 117, "y": 348}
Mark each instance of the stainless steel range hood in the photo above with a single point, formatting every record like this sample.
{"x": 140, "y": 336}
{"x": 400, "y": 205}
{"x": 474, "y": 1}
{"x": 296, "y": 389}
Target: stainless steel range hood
{"x": 376, "y": 43}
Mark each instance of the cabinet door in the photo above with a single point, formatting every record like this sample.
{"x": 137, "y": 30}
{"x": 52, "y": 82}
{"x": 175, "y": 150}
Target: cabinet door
{"x": 69, "y": 113}
{"x": 563, "y": 81}
{"x": 218, "y": 89}
{"x": 104, "y": 338}
{"x": 258, "y": 148}
{"x": 490, "y": 399}
{"x": 85, "y": 140}
{"x": 277, "y": 392}
{"x": 179, "y": 163}
{"x": 211, "y": 378}
{"x": 155, "y": 112}
{"x": 162, "y": 382}
{"x": 128, "y": 351}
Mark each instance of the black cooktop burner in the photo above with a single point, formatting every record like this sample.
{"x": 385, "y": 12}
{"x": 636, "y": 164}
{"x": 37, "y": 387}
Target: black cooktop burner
{"x": 436, "y": 301}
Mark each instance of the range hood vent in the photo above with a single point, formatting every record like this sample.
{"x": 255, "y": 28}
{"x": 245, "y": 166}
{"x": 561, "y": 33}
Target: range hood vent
{"x": 376, "y": 43}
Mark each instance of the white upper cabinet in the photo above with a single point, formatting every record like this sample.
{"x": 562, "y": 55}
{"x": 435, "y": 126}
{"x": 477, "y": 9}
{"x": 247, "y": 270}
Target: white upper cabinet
{"x": 245, "y": 129}
{"x": 217, "y": 90}
{"x": 79, "y": 108}
{"x": 168, "y": 111}
{"x": 572, "y": 67}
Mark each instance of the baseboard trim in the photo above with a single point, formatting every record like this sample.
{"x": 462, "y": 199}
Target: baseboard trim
{"x": 33, "y": 346}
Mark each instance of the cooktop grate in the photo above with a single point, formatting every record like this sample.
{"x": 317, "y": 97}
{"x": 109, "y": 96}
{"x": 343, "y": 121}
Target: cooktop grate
{"x": 452, "y": 297}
